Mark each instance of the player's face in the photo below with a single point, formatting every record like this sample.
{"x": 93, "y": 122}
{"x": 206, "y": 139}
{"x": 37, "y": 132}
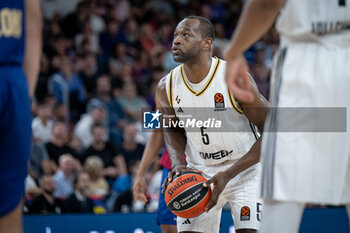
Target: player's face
{"x": 187, "y": 40}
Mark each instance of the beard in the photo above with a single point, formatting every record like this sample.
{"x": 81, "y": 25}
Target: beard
{"x": 189, "y": 55}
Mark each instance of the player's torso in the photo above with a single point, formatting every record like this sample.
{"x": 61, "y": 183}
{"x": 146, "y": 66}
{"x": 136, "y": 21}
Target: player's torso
{"x": 223, "y": 132}
{"x": 11, "y": 32}
{"x": 326, "y": 22}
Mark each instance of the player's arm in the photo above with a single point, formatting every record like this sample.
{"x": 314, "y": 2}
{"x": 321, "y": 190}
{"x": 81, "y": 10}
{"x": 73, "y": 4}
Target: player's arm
{"x": 33, "y": 21}
{"x": 256, "y": 18}
{"x": 256, "y": 113}
{"x": 153, "y": 147}
{"x": 174, "y": 138}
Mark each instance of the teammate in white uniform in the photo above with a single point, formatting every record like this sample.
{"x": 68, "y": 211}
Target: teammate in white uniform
{"x": 311, "y": 70}
{"x": 228, "y": 157}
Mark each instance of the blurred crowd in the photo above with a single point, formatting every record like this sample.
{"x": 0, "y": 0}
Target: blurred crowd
{"x": 101, "y": 62}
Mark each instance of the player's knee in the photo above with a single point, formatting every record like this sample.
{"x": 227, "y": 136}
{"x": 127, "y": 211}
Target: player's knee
{"x": 168, "y": 228}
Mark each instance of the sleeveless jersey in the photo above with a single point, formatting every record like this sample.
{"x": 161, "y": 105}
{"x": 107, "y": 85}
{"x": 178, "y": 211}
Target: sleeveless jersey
{"x": 206, "y": 145}
{"x": 326, "y": 22}
{"x": 12, "y": 32}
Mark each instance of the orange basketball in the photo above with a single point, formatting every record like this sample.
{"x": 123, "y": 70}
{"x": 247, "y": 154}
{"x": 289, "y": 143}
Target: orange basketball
{"x": 185, "y": 196}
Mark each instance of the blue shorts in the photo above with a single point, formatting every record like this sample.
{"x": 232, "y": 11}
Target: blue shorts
{"x": 15, "y": 136}
{"x": 164, "y": 215}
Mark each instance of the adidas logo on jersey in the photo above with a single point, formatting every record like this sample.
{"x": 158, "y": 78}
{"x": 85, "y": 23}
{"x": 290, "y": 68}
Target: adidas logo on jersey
{"x": 187, "y": 221}
{"x": 179, "y": 110}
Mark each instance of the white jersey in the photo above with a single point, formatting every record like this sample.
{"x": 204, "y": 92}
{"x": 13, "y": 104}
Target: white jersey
{"x": 210, "y": 99}
{"x": 325, "y": 22}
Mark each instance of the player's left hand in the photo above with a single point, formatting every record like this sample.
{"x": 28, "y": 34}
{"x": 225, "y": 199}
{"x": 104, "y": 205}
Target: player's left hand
{"x": 219, "y": 182}
{"x": 237, "y": 78}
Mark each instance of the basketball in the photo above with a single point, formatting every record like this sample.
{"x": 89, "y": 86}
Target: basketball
{"x": 185, "y": 196}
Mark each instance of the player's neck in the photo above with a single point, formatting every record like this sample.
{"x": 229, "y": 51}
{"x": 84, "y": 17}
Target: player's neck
{"x": 197, "y": 71}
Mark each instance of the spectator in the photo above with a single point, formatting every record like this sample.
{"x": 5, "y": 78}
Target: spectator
{"x": 148, "y": 39}
{"x": 98, "y": 186}
{"x": 131, "y": 102}
{"x": 64, "y": 176}
{"x": 87, "y": 35}
{"x": 114, "y": 163}
{"x": 76, "y": 90}
{"x": 46, "y": 203}
{"x": 31, "y": 188}
{"x": 116, "y": 116}
{"x": 60, "y": 112}
{"x": 74, "y": 22}
{"x": 221, "y": 41}
{"x": 57, "y": 145}
{"x": 82, "y": 129}
{"x": 261, "y": 73}
{"x": 88, "y": 74}
{"x": 42, "y": 124}
{"x": 78, "y": 202}
{"x": 132, "y": 36}
{"x": 122, "y": 186}
{"x": 131, "y": 150}
{"x": 39, "y": 161}
{"x": 96, "y": 21}
{"x": 118, "y": 58}
{"x": 111, "y": 37}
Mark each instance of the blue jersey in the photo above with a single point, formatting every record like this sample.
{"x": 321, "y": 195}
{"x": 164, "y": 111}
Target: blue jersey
{"x": 15, "y": 120}
{"x": 12, "y": 32}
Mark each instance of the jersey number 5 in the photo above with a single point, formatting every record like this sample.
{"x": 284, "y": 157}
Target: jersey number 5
{"x": 205, "y": 137}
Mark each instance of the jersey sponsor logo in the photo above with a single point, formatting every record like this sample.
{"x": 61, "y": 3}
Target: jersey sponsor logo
{"x": 181, "y": 182}
{"x": 216, "y": 155}
{"x": 219, "y": 102}
{"x": 151, "y": 119}
{"x": 245, "y": 213}
{"x": 10, "y": 23}
{"x": 187, "y": 221}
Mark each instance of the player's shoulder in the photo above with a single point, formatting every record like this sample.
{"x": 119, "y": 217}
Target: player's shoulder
{"x": 172, "y": 73}
{"x": 222, "y": 63}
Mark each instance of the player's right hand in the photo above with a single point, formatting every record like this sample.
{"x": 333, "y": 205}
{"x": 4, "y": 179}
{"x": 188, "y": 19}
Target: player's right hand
{"x": 139, "y": 190}
{"x": 176, "y": 171}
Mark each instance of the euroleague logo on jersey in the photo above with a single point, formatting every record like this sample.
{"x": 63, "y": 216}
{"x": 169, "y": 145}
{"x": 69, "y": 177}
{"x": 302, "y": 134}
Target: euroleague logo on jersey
{"x": 219, "y": 102}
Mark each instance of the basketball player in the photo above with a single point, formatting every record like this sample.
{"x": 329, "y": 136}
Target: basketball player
{"x": 165, "y": 218}
{"x": 199, "y": 84}
{"x": 311, "y": 70}
{"x": 20, "y": 46}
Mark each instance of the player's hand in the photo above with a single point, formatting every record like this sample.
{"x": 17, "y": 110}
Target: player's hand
{"x": 219, "y": 182}
{"x": 238, "y": 79}
{"x": 176, "y": 171}
{"x": 139, "y": 190}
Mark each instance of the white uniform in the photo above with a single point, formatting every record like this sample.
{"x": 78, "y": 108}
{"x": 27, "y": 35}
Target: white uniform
{"x": 212, "y": 151}
{"x": 312, "y": 69}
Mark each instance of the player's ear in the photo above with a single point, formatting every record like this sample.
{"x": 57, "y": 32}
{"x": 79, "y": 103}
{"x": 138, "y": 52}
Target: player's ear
{"x": 206, "y": 43}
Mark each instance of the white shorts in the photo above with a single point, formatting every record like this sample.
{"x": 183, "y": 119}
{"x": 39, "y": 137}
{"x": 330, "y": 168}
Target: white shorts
{"x": 242, "y": 195}
{"x": 306, "y": 144}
